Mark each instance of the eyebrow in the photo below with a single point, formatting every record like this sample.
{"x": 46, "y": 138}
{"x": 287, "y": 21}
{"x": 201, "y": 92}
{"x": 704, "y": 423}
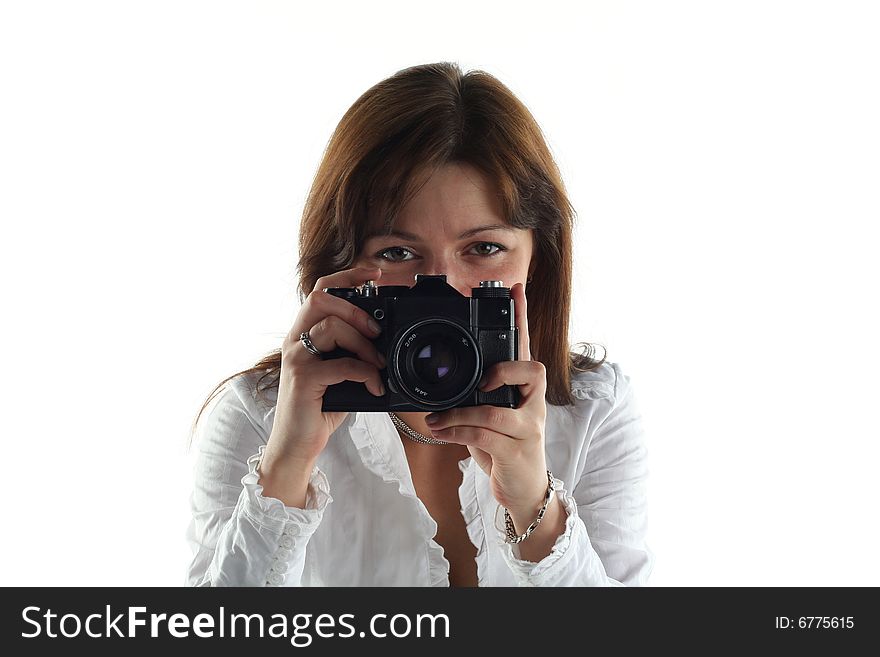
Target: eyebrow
{"x": 415, "y": 238}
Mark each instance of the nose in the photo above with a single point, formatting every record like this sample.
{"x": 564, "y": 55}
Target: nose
{"x": 453, "y": 277}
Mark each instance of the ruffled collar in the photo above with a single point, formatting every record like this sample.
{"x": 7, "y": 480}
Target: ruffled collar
{"x": 378, "y": 444}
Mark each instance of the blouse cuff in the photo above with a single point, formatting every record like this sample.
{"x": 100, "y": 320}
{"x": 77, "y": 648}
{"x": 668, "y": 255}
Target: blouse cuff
{"x": 551, "y": 567}
{"x": 271, "y": 513}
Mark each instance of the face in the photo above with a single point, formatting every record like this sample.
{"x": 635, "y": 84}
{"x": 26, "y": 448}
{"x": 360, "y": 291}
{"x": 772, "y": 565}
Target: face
{"x": 436, "y": 233}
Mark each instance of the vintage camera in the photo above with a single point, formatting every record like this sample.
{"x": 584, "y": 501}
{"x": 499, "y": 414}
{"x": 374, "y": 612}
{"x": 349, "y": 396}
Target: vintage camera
{"x": 437, "y": 344}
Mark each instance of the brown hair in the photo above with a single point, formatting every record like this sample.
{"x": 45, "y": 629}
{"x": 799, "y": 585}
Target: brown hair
{"x": 386, "y": 146}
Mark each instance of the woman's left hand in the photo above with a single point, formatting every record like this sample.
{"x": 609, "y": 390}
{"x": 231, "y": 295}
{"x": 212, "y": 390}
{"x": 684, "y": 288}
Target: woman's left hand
{"x": 507, "y": 443}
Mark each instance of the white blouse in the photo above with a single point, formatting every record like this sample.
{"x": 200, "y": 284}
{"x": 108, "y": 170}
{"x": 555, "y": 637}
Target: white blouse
{"x": 375, "y": 531}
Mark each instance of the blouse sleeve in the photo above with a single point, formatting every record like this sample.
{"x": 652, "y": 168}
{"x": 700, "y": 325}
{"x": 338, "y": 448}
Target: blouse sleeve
{"x": 606, "y": 512}
{"x": 237, "y": 536}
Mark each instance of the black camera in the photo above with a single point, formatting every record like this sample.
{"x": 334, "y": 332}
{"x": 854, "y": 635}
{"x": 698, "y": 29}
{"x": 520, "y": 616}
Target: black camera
{"x": 437, "y": 345}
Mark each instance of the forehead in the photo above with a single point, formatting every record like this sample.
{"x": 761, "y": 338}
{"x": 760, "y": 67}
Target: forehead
{"x": 420, "y": 235}
{"x": 455, "y": 200}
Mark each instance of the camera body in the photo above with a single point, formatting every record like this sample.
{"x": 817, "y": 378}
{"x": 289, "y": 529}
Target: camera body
{"x": 437, "y": 345}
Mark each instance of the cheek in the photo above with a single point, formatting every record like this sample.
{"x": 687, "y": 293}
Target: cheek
{"x": 511, "y": 267}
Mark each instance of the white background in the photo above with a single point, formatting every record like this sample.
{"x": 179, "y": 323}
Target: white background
{"x": 723, "y": 160}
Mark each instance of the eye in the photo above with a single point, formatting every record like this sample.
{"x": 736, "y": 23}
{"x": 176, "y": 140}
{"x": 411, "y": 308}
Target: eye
{"x": 497, "y": 246}
{"x": 398, "y": 250}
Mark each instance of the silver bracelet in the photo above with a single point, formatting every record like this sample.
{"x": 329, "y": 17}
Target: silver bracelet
{"x": 508, "y": 521}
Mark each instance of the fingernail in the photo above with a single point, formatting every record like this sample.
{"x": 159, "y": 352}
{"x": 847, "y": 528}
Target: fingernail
{"x": 482, "y": 383}
{"x": 381, "y": 390}
{"x": 433, "y": 418}
{"x": 374, "y": 325}
{"x": 382, "y": 360}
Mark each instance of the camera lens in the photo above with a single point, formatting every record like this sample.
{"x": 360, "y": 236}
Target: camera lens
{"x": 436, "y": 363}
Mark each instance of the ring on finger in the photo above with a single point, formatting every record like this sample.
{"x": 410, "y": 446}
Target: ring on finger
{"x": 310, "y": 347}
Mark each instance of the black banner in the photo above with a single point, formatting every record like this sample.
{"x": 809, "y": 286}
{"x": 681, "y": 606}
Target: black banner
{"x": 575, "y": 621}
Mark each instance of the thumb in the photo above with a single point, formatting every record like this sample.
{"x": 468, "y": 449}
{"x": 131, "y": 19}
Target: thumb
{"x": 482, "y": 459}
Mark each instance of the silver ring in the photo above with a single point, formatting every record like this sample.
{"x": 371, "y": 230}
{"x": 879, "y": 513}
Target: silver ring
{"x": 307, "y": 343}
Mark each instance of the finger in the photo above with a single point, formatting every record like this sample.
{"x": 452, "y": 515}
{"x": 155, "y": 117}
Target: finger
{"x": 529, "y": 376}
{"x": 521, "y": 314}
{"x": 332, "y": 332}
{"x": 501, "y": 420}
{"x": 348, "y": 278}
{"x": 320, "y": 304}
{"x": 321, "y": 374}
{"x": 480, "y": 438}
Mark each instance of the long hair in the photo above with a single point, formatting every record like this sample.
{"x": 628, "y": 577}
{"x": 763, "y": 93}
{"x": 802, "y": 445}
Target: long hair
{"x": 383, "y": 150}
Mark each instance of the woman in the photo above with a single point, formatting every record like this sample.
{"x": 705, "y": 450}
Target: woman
{"x": 430, "y": 172}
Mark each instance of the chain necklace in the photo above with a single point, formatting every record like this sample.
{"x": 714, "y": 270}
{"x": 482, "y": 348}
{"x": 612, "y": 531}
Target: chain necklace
{"x": 412, "y": 434}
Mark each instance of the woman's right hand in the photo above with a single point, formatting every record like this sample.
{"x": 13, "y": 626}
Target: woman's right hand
{"x": 301, "y": 430}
